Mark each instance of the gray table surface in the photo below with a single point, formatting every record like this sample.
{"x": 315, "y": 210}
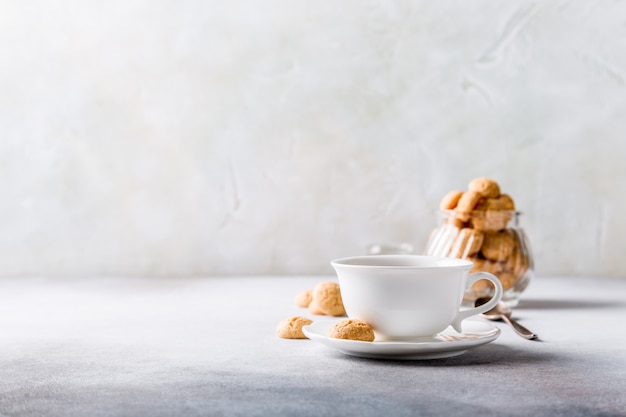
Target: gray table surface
{"x": 207, "y": 347}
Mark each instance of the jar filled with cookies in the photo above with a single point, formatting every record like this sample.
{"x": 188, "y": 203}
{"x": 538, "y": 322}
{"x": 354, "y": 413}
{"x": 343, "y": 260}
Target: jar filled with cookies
{"x": 483, "y": 226}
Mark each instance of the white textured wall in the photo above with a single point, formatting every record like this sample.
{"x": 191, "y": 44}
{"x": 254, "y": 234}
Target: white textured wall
{"x": 246, "y": 137}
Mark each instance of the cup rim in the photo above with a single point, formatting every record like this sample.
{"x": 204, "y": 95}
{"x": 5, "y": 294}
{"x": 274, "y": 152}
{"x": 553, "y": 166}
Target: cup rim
{"x": 358, "y": 262}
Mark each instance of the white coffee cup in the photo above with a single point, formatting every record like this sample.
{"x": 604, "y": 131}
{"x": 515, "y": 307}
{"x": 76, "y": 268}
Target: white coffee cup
{"x": 406, "y": 297}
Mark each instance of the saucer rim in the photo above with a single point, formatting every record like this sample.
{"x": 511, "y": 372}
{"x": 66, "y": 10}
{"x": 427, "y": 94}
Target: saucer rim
{"x": 406, "y": 350}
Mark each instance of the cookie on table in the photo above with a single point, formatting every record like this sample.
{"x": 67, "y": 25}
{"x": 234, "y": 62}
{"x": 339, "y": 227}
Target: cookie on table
{"x": 314, "y": 308}
{"x": 327, "y": 296}
{"x": 291, "y": 328}
{"x": 352, "y": 329}
{"x": 303, "y": 298}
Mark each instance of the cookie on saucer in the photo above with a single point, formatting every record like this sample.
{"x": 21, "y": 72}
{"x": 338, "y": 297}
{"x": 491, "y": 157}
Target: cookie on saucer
{"x": 352, "y": 329}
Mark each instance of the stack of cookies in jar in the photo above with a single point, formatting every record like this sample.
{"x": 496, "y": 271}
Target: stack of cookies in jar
{"x": 480, "y": 224}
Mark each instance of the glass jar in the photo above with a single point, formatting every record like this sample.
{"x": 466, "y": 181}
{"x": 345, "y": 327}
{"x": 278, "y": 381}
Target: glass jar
{"x": 494, "y": 241}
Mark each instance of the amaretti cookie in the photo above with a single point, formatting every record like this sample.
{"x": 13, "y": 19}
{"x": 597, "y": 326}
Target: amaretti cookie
{"x": 468, "y": 201}
{"x": 450, "y": 200}
{"x": 498, "y": 246}
{"x": 291, "y": 328}
{"x": 352, "y": 329}
{"x": 327, "y": 297}
{"x": 314, "y": 308}
{"x": 484, "y": 186}
{"x": 303, "y": 298}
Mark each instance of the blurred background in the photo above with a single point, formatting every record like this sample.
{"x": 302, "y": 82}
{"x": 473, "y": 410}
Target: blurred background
{"x": 239, "y": 137}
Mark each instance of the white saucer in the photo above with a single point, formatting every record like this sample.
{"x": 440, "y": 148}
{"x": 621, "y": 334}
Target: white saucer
{"x": 444, "y": 345}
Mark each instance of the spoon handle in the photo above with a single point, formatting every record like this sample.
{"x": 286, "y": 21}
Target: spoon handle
{"x": 519, "y": 329}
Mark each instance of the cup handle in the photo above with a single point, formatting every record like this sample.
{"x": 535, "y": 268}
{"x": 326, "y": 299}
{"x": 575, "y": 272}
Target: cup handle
{"x": 468, "y": 312}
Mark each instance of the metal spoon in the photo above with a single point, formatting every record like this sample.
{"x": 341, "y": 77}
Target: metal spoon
{"x": 503, "y": 312}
